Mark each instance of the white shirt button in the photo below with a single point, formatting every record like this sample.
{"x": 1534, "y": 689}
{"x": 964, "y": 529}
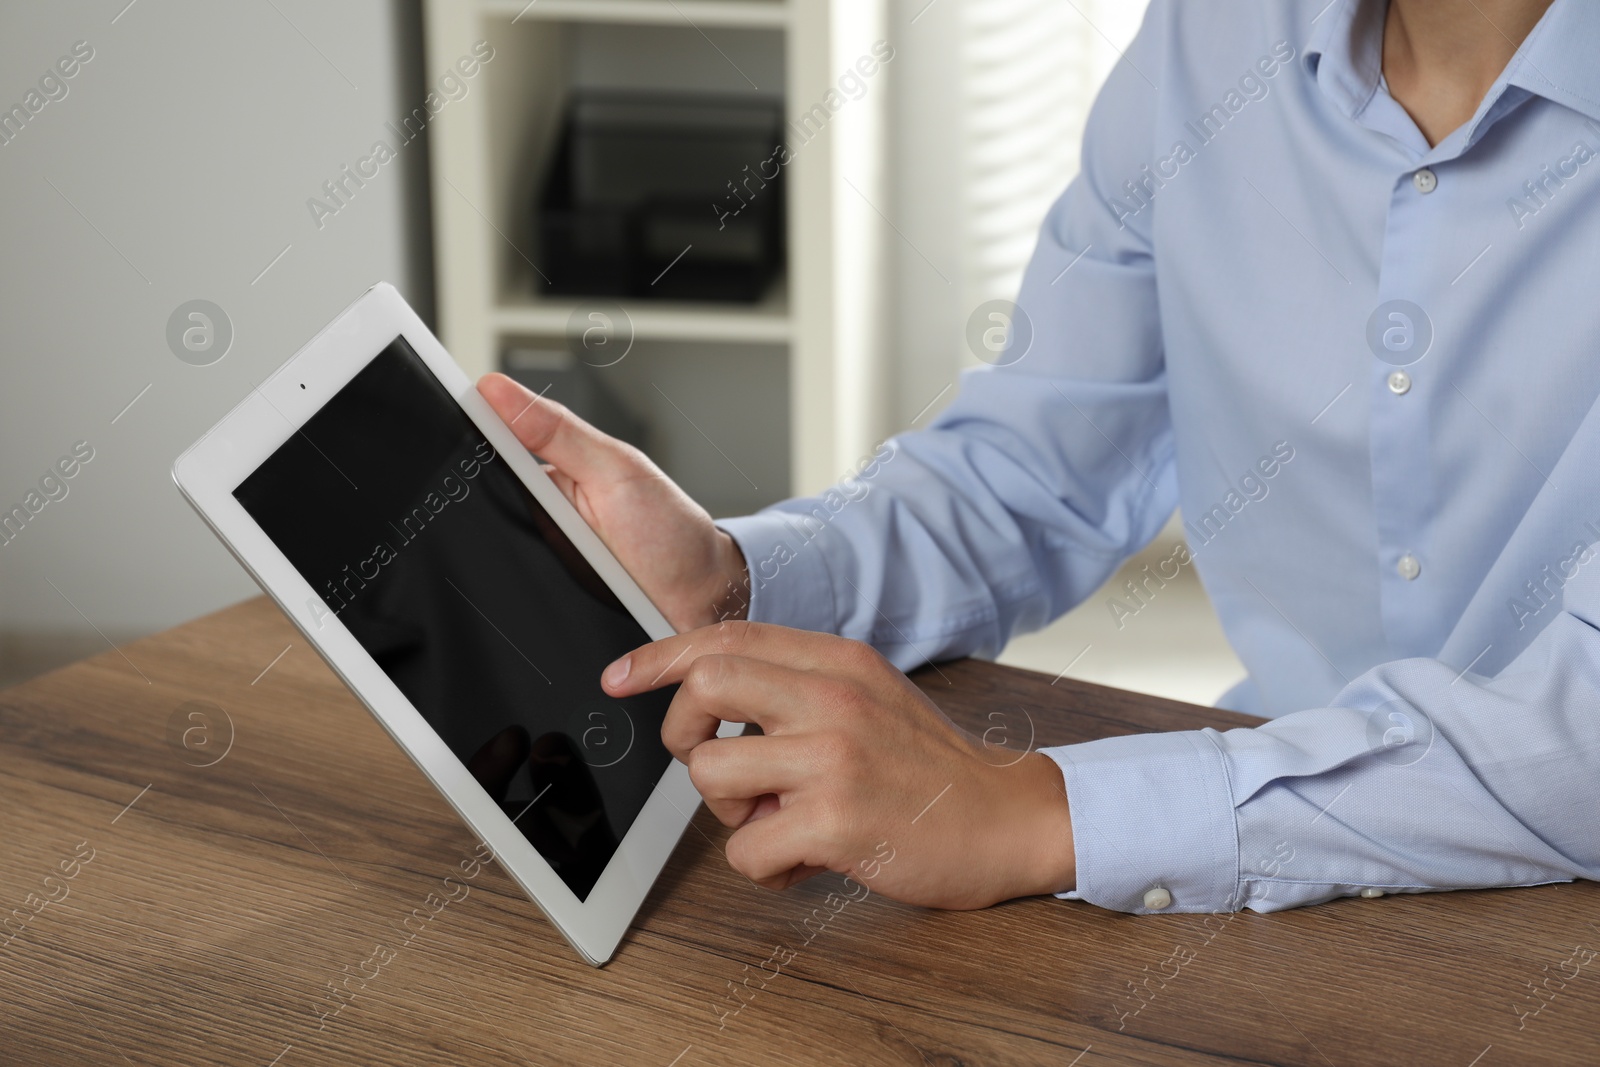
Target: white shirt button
{"x": 1408, "y": 567}
{"x": 1399, "y": 383}
{"x": 1425, "y": 180}
{"x": 1157, "y": 899}
{"x": 1372, "y": 892}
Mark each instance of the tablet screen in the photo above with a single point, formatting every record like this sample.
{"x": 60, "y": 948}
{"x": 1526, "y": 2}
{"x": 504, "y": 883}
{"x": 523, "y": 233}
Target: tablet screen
{"x": 432, "y": 552}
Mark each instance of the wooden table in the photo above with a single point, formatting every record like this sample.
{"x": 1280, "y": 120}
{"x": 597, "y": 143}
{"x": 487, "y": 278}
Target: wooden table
{"x": 201, "y": 914}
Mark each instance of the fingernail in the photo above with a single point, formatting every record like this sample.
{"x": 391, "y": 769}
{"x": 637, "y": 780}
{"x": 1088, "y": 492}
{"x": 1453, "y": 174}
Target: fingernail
{"x": 617, "y": 673}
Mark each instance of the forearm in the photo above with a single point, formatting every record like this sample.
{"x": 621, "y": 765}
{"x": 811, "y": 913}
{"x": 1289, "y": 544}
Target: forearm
{"x": 970, "y": 531}
{"x": 1421, "y": 778}
{"x": 1045, "y": 472}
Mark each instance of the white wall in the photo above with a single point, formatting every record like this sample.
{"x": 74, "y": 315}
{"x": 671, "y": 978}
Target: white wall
{"x": 926, "y": 123}
{"x": 949, "y": 253}
{"x": 1179, "y": 650}
{"x": 190, "y": 144}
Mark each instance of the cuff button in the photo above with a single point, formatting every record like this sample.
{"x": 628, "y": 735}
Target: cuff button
{"x": 1371, "y": 892}
{"x": 1157, "y": 899}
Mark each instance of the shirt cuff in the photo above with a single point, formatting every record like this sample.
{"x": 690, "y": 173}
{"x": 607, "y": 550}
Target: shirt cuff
{"x": 789, "y": 579}
{"x": 1153, "y": 823}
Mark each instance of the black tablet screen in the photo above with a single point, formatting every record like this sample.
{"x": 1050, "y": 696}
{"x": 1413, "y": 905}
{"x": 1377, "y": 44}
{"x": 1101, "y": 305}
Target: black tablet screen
{"x": 427, "y": 547}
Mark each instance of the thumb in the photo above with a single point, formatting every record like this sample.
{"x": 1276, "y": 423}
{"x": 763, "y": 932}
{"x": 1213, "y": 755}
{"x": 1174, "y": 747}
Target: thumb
{"x": 553, "y": 433}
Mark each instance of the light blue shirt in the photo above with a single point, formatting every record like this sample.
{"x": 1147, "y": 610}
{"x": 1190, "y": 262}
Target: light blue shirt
{"x": 1367, "y": 370}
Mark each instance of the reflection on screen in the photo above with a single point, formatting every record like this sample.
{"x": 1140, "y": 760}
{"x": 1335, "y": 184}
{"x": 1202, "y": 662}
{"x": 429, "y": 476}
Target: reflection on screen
{"x": 418, "y": 536}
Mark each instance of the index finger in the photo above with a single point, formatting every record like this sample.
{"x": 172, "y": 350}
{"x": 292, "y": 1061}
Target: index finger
{"x": 666, "y": 661}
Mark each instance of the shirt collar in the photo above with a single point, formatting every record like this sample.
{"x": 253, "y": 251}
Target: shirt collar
{"x": 1558, "y": 60}
{"x": 1345, "y": 56}
{"x": 1345, "y": 53}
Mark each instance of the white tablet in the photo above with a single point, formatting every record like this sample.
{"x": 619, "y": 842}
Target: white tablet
{"x": 396, "y": 519}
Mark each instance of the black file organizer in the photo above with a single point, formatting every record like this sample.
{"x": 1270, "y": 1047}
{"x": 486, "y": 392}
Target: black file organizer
{"x": 637, "y": 178}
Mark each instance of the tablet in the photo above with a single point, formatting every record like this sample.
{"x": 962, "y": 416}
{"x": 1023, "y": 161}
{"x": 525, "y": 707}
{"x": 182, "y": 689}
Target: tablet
{"x": 387, "y": 509}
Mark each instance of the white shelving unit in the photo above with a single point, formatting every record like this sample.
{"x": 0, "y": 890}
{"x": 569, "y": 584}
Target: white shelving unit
{"x": 759, "y": 14}
{"x": 768, "y": 322}
{"x": 800, "y": 374}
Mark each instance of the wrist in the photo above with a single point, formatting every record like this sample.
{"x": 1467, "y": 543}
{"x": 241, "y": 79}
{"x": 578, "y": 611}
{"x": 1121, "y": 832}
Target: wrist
{"x": 1046, "y": 861}
{"x": 730, "y": 598}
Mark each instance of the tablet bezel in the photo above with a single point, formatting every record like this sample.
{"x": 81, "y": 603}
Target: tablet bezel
{"x": 210, "y": 470}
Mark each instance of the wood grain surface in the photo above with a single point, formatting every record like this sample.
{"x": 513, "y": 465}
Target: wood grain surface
{"x": 197, "y": 899}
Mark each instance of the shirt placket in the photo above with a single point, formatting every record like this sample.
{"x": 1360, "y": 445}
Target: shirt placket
{"x": 1409, "y": 338}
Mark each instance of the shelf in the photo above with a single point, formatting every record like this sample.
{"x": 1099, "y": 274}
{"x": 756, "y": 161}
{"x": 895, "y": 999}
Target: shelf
{"x": 796, "y": 381}
{"x": 749, "y": 14}
{"x": 765, "y": 323}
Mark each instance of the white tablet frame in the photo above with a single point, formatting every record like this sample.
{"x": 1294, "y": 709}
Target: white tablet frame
{"x": 209, "y": 471}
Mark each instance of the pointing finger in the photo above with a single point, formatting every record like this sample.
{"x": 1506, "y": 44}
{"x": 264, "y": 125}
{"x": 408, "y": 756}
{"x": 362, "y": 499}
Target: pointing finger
{"x": 669, "y": 660}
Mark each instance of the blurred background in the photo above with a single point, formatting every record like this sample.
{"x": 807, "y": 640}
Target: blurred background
{"x": 212, "y": 183}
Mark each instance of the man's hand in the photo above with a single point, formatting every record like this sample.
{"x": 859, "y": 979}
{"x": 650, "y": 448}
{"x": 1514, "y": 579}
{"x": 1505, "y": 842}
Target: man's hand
{"x": 851, "y": 756}
{"x": 688, "y": 568}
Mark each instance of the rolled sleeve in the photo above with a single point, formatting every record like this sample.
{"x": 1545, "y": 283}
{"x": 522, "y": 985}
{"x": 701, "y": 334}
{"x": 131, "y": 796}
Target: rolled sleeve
{"x": 1152, "y": 811}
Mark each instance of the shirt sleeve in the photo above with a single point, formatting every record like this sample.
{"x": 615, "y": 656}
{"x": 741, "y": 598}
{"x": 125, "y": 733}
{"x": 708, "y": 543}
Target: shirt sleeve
{"x": 1418, "y": 778}
{"x": 1051, "y": 466}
